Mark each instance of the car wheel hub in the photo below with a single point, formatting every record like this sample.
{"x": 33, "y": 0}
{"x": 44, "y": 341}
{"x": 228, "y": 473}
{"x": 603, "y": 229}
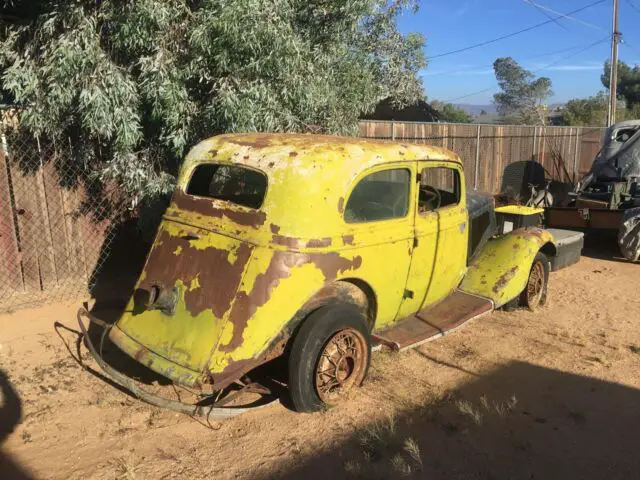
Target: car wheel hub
{"x": 341, "y": 365}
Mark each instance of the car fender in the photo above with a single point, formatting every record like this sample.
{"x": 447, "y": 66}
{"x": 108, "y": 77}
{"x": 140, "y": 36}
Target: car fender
{"x": 501, "y": 270}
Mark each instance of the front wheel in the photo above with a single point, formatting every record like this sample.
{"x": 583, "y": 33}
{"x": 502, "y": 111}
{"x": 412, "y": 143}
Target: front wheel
{"x": 534, "y": 294}
{"x": 329, "y": 357}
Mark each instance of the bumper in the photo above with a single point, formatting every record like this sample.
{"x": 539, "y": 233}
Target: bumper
{"x": 130, "y": 385}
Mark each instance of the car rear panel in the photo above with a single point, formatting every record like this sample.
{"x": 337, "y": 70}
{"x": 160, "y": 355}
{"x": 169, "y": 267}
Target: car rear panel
{"x": 199, "y": 270}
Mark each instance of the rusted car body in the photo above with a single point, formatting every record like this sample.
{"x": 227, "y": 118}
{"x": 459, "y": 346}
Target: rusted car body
{"x": 265, "y": 230}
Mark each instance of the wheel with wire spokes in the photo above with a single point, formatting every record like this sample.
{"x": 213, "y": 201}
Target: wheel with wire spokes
{"x": 341, "y": 366}
{"x": 535, "y": 293}
{"x": 329, "y": 357}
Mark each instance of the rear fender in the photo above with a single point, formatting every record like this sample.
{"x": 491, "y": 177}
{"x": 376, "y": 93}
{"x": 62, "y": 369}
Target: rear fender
{"x": 501, "y": 270}
{"x": 335, "y": 293}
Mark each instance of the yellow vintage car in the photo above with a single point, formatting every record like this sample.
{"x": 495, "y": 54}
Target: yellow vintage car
{"x": 317, "y": 248}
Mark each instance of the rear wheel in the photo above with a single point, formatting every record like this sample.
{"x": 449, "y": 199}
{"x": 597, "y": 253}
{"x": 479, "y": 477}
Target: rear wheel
{"x": 329, "y": 357}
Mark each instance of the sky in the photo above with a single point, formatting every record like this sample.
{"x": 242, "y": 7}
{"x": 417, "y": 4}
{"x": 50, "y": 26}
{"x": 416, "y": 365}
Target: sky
{"x": 565, "y": 50}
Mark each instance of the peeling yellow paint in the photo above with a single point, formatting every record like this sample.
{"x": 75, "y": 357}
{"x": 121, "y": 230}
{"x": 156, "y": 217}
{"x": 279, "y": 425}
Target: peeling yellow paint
{"x": 195, "y": 283}
{"x": 298, "y": 242}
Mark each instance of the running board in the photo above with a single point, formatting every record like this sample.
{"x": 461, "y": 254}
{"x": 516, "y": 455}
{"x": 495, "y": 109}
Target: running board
{"x": 435, "y": 321}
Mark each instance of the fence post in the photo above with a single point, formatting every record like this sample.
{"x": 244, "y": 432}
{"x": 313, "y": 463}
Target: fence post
{"x": 535, "y": 144}
{"x": 575, "y": 156}
{"x": 393, "y": 129}
{"x": 475, "y": 180}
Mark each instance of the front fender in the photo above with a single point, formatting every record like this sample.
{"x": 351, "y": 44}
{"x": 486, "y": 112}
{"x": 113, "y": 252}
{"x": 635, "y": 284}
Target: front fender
{"x": 501, "y": 271}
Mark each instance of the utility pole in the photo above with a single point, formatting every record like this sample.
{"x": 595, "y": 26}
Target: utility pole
{"x": 613, "y": 78}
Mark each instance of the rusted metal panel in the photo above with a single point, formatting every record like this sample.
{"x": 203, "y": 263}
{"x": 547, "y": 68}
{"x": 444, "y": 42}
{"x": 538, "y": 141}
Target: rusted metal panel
{"x": 454, "y": 311}
{"x": 605, "y": 219}
{"x": 560, "y": 217}
{"x": 581, "y": 218}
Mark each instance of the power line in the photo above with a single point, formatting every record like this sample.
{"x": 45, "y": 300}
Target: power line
{"x": 632, "y": 5}
{"x": 488, "y": 65}
{"x": 544, "y": 9}
{"x": 513, "y": 34}
{"x": 552, "y": 64}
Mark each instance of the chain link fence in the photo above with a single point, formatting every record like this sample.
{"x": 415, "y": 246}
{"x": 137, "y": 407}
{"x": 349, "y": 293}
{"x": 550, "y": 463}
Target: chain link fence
{"x": 57, "y": 226}
{"x": 62, "y": 239}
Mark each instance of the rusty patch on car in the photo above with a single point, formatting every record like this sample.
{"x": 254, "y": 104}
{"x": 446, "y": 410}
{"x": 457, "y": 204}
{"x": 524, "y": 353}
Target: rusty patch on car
{"x": 206, "y": 207}
{"x": 280, "y": 267}
{"x": 341, "y": 205}
{"x": 293, "y": 154}
{"x": 504, "y": 279}
{"x": 286, "y": 241}
{"x": 347, "y": 239}
{"x": 234, "y": 371}
{"x": 274, "y": 228}
{"x": 256, "y": 141}
{"x": 332, "y": 263}
{"x": 209, "y": 268}
{"x": 319, "y": 242}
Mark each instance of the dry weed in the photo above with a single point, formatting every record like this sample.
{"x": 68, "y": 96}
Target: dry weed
{"x": 466, "y": 408}
{"x": 125, "y": 468}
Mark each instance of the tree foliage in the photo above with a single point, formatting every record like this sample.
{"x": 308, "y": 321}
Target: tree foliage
{"x": 628, "y": 87}
{"x": 523, "y": 96}
{"x": 448, "y": 112}
{"x": 133, "y": 84}
{"x": 586, "y": 112}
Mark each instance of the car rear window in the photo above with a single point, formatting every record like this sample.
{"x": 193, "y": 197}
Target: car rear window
{"x": 231, "y": 183}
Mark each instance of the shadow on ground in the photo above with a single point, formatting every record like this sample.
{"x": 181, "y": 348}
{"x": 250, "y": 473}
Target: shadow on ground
{"x": 519, "y": 422}
{"x": 602, "y": 245}
{"x": 10, "y": 416}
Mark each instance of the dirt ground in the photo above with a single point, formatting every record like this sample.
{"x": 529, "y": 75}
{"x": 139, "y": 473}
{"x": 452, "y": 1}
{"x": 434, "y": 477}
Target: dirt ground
{"x": 555, "y": 394}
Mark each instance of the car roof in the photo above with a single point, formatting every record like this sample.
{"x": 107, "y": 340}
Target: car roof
{"x": 302, "y": 150}
{"x": 309, "y": 176}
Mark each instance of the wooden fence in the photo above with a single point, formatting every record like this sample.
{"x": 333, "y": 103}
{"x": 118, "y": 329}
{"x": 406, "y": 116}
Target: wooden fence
{"x": 50, "y": 239}
{"x": 498, "y": 156}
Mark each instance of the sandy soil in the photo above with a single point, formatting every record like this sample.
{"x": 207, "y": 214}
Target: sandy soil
{"x": 555, "y": 394}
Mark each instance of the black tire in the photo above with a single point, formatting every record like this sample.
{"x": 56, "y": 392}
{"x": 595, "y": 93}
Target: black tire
{"x": 311, "y": 345}
{"x": 512, "y": 305}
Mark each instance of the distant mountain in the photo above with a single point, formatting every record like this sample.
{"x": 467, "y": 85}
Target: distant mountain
{"x": 476, "y": 109}
{"x": 491, "y": 109}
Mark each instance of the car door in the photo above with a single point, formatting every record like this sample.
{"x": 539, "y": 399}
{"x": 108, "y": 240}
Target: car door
{"x": 423, "y": 252}
{"x": 442, "y": 194}
{"x": 438, "y": 253}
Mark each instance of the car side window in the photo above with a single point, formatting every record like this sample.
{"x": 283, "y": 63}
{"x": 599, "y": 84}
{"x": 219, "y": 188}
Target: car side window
{"x": 439, "y": 187}
{"x": 379, "y": 196}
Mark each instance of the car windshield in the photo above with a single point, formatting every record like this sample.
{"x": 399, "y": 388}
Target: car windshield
{"x": 240, "y": 185}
